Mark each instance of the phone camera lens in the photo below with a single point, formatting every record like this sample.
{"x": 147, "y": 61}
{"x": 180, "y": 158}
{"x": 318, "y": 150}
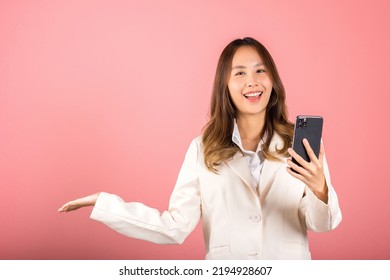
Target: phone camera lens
{"x": 300, "y": 121}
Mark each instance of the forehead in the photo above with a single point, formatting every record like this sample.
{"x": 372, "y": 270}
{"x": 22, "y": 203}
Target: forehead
{"x": 246, "y": 56}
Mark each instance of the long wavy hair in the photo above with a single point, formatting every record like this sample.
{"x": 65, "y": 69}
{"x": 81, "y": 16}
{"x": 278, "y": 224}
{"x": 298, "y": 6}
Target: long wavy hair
{"x": 217, "y": 134}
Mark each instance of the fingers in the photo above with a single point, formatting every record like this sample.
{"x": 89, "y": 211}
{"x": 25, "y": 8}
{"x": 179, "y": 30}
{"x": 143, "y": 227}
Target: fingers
{"x": 310, "y": 153}
{"x": 322, "y": 153}
{"x": 315, "y": 164}
{"x": 307, "y": 170}
{"x": 79, "y": 203}
{"x": 296, "y": 172}
{"x": 309, "y": 150}
{"x": 62, "y": 208}
{"x": 303, "y": 163}
{"x": 73, "y": 205}
{"x": 69, "y": 206}
{"x": 297, "y": 157}
{"x": 295, "y": 168}
{"x": 311, "y": 173}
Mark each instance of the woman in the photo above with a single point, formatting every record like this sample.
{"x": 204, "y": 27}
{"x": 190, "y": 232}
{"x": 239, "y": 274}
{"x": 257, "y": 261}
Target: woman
{"x": 237, "y": 175}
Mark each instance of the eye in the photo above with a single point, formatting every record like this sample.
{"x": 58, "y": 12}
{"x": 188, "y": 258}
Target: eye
{"x": 260, "y": 71}
{"x": 240, "y": 73}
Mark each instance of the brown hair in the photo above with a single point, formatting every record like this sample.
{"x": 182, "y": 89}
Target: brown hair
{"x": 217, "y": 134}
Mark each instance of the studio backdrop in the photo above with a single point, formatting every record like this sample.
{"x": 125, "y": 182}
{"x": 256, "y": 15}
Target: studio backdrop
{"x": 107, "y": 96}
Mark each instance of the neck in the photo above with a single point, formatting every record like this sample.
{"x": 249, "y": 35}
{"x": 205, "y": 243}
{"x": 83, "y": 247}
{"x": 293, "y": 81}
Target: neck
{"x": 250, "y": 127}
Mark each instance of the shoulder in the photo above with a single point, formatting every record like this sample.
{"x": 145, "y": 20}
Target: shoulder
{"x": 196, "y": 145}
{"x": 198, "y": 139}
{"x": 196, "y": 142}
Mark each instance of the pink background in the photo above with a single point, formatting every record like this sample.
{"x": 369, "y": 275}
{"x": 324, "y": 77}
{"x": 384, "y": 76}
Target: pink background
{"x": 107, "y": 95}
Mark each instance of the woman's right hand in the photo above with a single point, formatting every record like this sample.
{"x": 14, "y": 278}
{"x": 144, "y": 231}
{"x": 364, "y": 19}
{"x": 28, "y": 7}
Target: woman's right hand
{"x": 79, "y": 203}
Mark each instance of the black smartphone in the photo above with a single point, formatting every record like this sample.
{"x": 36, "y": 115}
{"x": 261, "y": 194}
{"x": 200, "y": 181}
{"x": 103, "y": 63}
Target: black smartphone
{"x": 309, "y": 127}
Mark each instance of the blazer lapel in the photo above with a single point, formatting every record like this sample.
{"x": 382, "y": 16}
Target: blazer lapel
{"x": 267, "y": 174}
{"x": 239, "y": 165}
{"x": 269, "y": 168}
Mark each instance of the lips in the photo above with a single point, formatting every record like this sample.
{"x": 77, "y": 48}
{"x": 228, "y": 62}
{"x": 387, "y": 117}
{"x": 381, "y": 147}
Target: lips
{"x": 253, "y": 94}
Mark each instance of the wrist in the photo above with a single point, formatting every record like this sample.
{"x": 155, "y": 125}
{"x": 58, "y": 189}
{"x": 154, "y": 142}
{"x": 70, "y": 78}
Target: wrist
{"x": 322, "y": 194}
{"x": 91, "y": 200}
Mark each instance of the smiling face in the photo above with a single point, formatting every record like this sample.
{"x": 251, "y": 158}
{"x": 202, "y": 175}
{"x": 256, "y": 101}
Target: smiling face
{"x": 249, "y": 83}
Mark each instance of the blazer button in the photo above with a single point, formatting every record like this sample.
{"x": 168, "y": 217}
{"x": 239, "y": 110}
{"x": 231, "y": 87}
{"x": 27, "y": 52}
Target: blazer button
{"x": 255, "y": 218}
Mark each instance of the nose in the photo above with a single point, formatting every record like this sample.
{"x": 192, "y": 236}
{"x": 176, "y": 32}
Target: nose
{"x": 251, "y": 81}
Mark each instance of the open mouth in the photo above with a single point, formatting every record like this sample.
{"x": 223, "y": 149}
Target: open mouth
{"x": 253, "y": 96}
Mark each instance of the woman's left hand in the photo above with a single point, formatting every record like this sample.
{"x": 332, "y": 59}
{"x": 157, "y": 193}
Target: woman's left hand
{"x": 311, "y": 173}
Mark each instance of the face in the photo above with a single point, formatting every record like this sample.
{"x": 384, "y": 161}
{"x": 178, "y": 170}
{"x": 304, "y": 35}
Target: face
{"x": 249, "y": 83}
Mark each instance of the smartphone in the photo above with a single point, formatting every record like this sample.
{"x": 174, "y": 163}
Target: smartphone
{"x": 309, "y": 127}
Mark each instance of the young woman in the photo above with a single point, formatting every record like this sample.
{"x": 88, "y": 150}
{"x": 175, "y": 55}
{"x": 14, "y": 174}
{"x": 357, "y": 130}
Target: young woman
{"x": 237, "y": 175}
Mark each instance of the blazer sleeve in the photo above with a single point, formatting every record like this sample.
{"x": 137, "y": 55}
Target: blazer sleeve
{"x": 317, "y": 215}
{"x": 137, "y": 220}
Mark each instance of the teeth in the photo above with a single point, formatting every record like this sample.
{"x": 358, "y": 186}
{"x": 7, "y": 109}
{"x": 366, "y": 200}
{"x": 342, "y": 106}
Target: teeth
{"x": 253, "y": 94}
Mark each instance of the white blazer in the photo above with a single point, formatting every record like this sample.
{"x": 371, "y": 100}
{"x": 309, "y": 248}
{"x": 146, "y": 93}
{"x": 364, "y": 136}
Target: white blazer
{"x": 238, "y": 221}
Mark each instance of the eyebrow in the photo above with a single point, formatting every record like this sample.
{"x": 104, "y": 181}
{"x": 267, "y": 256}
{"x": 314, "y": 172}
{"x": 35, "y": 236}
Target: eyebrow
{"x": 242, "y": 67}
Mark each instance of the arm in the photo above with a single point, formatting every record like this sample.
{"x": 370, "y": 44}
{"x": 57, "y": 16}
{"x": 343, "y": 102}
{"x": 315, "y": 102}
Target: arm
{"x": 137, "y": 220}
{"x": 78, "y": 203}
{"x": 317, "y": 215}
{"x": 319, "y": 207}
{"x": 311, "y": 173}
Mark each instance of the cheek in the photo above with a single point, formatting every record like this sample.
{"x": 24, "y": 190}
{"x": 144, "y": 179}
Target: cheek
{"x": 232, "y": 86}
{"x": 267, "y": 83}
{"x": 235, "y": 90}
{"x": 234, "y": 97}
{"x": 267, "y": 97}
